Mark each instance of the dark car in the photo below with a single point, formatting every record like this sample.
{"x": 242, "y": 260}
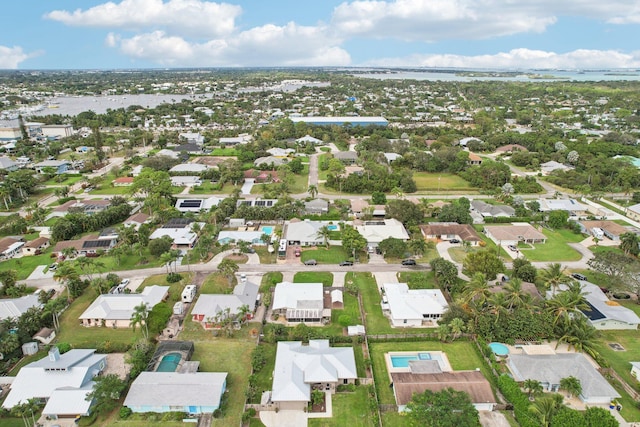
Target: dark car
{"x": 454, "y": 241}
{"x": 578, "y": 276}
{"x": 346, "y": 264}
{"x": 408, "y": 262}
{"x": 311, "y": 262}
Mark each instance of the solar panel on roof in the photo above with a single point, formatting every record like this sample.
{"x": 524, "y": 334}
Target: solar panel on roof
{"x": 593, "y": 313}
{"x": 96, "y": 244}
{"x": 191, "y": 203}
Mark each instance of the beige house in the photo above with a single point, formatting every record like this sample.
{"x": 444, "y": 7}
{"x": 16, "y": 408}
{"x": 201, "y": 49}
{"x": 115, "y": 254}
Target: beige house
{"x": 512, "y": 234}
{"x": 35, "y": 247}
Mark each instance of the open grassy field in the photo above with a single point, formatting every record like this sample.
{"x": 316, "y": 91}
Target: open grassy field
{"x": 443, "y": 182}
{"x": 349, "y": 409}
{"x": 418, "y": 280}
{"x": 323, "y": 277}
{"x": 332, "y": 255}
{"x": 209, "y": 188}
{"x": 556, "y": 247}
{"x": 298, "y": 185}
{"x": 69, "y": 179}
{"x": 25, "y": 265}
{"x": 216, "y": 283}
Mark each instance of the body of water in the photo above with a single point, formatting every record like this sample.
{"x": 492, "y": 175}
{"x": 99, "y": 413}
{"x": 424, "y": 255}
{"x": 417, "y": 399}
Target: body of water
{"x": 526, "y": 76}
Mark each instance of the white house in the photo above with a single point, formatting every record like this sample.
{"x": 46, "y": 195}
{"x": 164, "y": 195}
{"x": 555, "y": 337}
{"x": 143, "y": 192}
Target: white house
{"x": 197, "y": 204}
{"x": 194, "y": 168}
{"x": 13, "y": 308}
{"x": 308, "y": 138}
{"x": 62, "y": 380}
{"x": 304, "y": 233}
{"x": 186, "y": 181}
{"x": 300, "y": 367}
{"x": 115, "y": 310}
{"x": 572, "y": 206}
{"x": 635, "y": 370}
{"x": 412, "y": 307}
{"x": 180, "y": 230}
{"x": 190, "y": 392}
{"x": 375, "y": 232}
{"x": 300, "y": 302}
{"x": 209, "y": 305}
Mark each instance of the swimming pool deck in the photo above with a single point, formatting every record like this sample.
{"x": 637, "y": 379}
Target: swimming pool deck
{"x": 442, "y": 359}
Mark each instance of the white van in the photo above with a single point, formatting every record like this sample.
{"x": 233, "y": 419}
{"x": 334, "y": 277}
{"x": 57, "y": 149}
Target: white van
{"x": 598, "y": 233}
{"x": 189, "y": 293}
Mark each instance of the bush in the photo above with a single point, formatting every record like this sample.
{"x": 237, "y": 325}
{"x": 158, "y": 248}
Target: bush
{"x": 174, "y": 277}
{"x": 125, "y": 412}
{"x": 87, "y": 421}
{"x": 110, "y": 347}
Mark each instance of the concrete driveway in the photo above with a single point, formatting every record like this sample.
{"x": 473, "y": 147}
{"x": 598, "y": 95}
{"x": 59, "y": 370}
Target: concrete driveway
{"x": 284, "y": 418}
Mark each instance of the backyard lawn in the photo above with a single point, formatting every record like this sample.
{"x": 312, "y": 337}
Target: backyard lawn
{"x": 556, "y": 247}
{"x": 323, "y": 277}
{"x": 443, "y": 182}
{"x": 349, "y": 409}
{"x": 216, "y": 283}
{"x": 264, "y": 377}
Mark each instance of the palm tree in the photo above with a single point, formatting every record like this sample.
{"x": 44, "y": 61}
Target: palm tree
{"x": 228, "y": 268}
{"x": 457, "y": 327}
{"x": 65, "y": 273}
{"x": 553, "y": 276}
{"x": 564, "y": 304}
{"x": 516, "y": 297}
{"x": 580, "y": 336}
{"x": 140, "y": 316}
{"x": 476, "y": 290}
{"x": 630, "y": 243}
{"x": 533, "y": 387}
{"x": 313, "y": 191}
{"x": 243, "y": 311}
{"x": 324, "y": 233}
{"x": 544, "y": 409}
{"x": 417, "y": 246}
{"x": 498, "y": 305}
{"x": 571, "y": 385}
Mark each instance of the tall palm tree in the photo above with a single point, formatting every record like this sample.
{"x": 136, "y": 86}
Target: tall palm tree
{"x": 498, "y": 305}
{"x": 477, "y": 289}
{"x": 630, "y": 243}
{"x": 324, "y": 233}
{"x": 140, "y": 317}
{"x": 313, "y": 191}
{"x": 544, "y": 409}
{"x": 65, "y": 273}
{"x": 565, "y": 304}
{"x": 533, "y": 387}
{"x": 516, "y": 297}
{"x": 457, "y": 327}
{"x": 580, "y": 336}
{"x": 228, "y": 268}
{"x": 571, "y": 385}
{"x": 553, "y": 276}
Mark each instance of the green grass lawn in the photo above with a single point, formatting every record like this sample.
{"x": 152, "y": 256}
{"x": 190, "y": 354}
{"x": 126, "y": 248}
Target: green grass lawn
{"x": 264, "y": 377}
{"x": 108, "y": 189}
{"x": 269, "y": 280}
{"x": 323, "y": 277}
{"x": 375, "y": 321}
{"x": 349, "y": 409}
{"x": 25, "y": 265}
{"x": 175, "y": 289}
{"x": 418, "y": 280}
{"x": 216, "y": 283}
{"x": 265, "y": 256}
{"x": 620, "y": 360}
{"x": 209, "y": 188}
{"x": 131, "y": 261}
{"x": 443, "y": 182}
{"x": 332, "y": 255}
{"x": 556, "y": 247}
{"x": 69, "y": 180}
{"x": 298, "y": 185}
{"x": 461, "y": 354}
{"x": 224, "y": 152}
{"x": 350, "y": 309}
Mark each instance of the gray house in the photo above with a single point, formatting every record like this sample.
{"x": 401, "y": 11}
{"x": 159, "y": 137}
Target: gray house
{"x": 316, "y": 207}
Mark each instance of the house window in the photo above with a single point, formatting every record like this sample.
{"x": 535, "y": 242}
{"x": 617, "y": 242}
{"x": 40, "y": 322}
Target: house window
{"x": 345, "y": 381}
{"x": 404, "y": 321}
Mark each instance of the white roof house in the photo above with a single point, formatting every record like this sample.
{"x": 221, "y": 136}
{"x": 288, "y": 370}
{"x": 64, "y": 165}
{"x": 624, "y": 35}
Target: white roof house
{"x": 63, "y": 380}
{"x": 304, "y": 233}
{"x": 309, "y": 138}
{"x": 412, "y": 307}
{"x": 208, "y": 305}
{"x": 604, "y": 313}
{"x": 299, "y": 366}
{"x": 376, "y": 231}
{"x": 569, "y": 205}
{"x": 180, "y": 231}
{"x": 549, "y": 369}
{"x": 299, "y": 301}
{"x": 189, "y": 167}
{"x": 193, "y": 392}
{"x": 197, "y": 204}
{"x": 116, "y": 309}
{"x": 186, "y": 181}
{"x": 168, "y": 153}
{"x": 16, "y": 307}
{"x": 253, "y": 237}
{"x": 552, "y": 165}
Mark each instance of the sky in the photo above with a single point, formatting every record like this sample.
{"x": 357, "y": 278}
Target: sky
{"x": 494, "y": 34}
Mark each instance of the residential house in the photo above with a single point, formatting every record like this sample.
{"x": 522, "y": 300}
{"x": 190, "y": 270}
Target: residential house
{"x": 308, "y": 138}
{"x": 360, "y": 207}
{"x": 551, "y": 367}
{"x": 270, "y": 161}
{"x": 123, "y": 181}
{"x": 136, "y": 220}
{"x": 13, "y": 308}
{"x": 573, "y": 207}
{"x": 7, "y": 164}
{"x": 257, "y": 203}
{"x": 300, "y": 302}
{"x": 192, "y": 168}
{"x": 57, "y": 131}
{"x": 304, "y": 233}
{"x": 351, "y": 170}
{"x": 375, "y": 232}
{"x": 208, "y": 306}
{"x": 341, "y": 120}
{"x": 235, "y": 236}
{"x": 474, "y": 160}
{"x": 115, "y": 310}
{"x": 35, "y": 247}
{"x": 451, "y": 230}
{"x": 280, "y": 152}
{"x": 88, "y": 207}
{"x": 300, "y": 368}
{"x": 180, "y": 230}
{"x": 487, "y": 210}
{"x": 510, "y": 148}
{"x": 505, "y": 235}
{"x": 392, "y": 157}
{"x": 58, "y": 166}
{"x": 63, "y": 381}
{"x": 192, "y": 138}
{"x": 603, "y": 313}
{"x": 167, "y": 153}
{"x": 346, "y": 157}
{"x": 10, "y": 247}
{"x": 633, "y": 212}
{"x": 243, "y": 138}
{"x": 635, "y": 370}
{"x": 316, "y": 207}
{"x": 610, "y": 229}
{"x": 190, "y": 148}
{"x": 261, "y": 176}
{"x": 197, "y": 204}
{"x": 185, "y": 181}
{"x": 552, "y": 166}
{"x": 193, "y": 393}
{"x": 91, "y": 244}
{"x": 411, "y": 308}
{"x": 45, "y": 336}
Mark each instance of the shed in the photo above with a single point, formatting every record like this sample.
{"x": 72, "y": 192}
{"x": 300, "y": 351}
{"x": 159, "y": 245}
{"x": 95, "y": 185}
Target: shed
{"x": 337, "y": 301}
{"x": 29, "y": 348}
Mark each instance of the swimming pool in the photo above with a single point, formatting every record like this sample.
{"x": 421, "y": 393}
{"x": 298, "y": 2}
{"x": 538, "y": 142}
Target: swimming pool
{"x": 402, "y": 361}
{"x": 499, "y": 349}
{"x": 169, "y": 362}
{"x": 267, "y": 229}
{"x": 333, "y": 227}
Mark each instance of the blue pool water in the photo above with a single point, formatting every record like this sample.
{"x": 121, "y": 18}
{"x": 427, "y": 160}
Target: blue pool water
{"x": 332, "y": 227}
{"x": 169, "y": 362}
{"x": 398, "y": 361}
{"x": 499, "y": 349}
{"x": 267, "y": 229}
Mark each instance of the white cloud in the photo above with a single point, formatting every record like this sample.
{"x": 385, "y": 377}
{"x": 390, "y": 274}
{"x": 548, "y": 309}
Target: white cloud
{"x": 521, "y": 59}
{"x": 195, "y": 18}
{"x": 11, "y": 57}
{"x": 435, "y": 20}
{"x": 269, "y": 45}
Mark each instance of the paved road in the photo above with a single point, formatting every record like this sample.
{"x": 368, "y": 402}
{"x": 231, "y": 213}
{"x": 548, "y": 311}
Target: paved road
{"x": 313, "y": 169}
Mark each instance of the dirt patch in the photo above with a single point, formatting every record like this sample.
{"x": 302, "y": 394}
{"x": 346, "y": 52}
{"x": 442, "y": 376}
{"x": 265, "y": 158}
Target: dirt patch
{"x": 321, "y": 407}
{"x": 240, "y": 259}
{"x": 117, "y": 365}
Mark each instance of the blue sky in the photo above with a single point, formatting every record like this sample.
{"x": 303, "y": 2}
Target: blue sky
{"x": 98, "y": 34}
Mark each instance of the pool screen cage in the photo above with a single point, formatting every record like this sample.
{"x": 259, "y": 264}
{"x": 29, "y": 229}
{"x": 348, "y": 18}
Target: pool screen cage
{"x": 184, "y": 347}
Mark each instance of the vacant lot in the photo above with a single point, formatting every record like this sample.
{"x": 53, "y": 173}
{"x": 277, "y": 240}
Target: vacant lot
{"x": 332, "y": 255}
{"x": 323, "y": 277}
{"x": 556, "y": 247}
{"x": 426, "y": 181}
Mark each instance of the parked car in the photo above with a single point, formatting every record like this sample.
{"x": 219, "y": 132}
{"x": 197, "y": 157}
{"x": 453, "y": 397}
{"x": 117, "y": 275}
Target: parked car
{"x": 53, "y": 266}
{"x": 311, "y": 262}
{"x": 512, "y": 248}
{"x": 578, "y": 276}
{"x": 346, "y": 263}
{"x": 297, "y": 252}
{"x": 409, "y": 262}
{"x": 454, "y": 241}
{"x": 125, "y": 282}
